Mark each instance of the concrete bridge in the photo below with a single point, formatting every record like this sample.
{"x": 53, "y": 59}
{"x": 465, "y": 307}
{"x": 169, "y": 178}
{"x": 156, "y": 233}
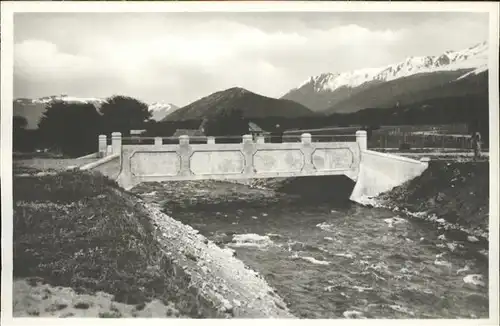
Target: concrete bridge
{"x": 372, "y": 172}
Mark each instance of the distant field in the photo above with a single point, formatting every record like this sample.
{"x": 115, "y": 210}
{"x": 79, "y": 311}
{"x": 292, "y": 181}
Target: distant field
{"x": 430, "y": 136}
{"x": 458, "y": 129}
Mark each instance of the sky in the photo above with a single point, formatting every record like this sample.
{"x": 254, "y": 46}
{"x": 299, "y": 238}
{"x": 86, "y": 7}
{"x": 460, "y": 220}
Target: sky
{"x": 180, "y": 57}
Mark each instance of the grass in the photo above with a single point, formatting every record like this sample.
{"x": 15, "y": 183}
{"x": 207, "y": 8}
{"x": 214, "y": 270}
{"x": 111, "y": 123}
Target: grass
{"x": 455, "y": 191}
{"x": 77, "y": 229}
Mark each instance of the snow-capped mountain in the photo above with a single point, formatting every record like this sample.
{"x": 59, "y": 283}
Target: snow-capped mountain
{"x": 69, "y": 99}
{"x": 159, "y": 110}
{"x": 32, "y": 109}
{"x": 321, "y": 92}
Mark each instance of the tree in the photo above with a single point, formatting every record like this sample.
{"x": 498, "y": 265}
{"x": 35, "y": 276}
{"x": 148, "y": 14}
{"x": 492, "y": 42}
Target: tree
{"x": 229, "y": 122}
{"x": 122, "y": 113}
{"x": 19, "y": 123}
{"x": 72, "y": 128}
{"x": 19, "y": 134}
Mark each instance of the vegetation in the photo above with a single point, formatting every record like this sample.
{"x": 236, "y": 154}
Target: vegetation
{"x": 455, "y": 191}
{"x": 21, "y": 137}
{"x": 226, "y": 123}
{"x": 73, "y": 128}
{"x": 78, "y": 230}
{"x": 122, "y": 114}
{"x": 250, "y": 104}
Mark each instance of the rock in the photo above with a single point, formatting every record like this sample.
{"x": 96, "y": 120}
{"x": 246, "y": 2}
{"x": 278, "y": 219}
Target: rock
{"x": 452, "y": 246}
{"x": 440, "y": 197}
{"x": 475, "y": 279}
{"x": 227, "y": 306}
{"x": 279, "y": 305}
{"x": 352, "y": 314}
{"x": 472, "y": 238}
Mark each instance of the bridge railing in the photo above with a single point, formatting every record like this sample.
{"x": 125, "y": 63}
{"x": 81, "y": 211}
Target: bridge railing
{"x": 117, "y": 141}
{"x": 234, "y": 139}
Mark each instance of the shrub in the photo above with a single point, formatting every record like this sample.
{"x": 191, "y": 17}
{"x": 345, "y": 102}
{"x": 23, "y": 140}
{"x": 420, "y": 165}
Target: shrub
{"x": 65, "y": 187}
{"x": 404, "y": 147}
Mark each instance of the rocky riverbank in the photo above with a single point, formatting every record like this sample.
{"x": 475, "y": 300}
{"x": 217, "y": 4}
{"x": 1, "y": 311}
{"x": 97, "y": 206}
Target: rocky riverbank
{"x": 454, "y": 195}
{"x": 84, "y": 247}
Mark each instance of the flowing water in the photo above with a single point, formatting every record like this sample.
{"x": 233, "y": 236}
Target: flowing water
{"x": 343, "y": 260}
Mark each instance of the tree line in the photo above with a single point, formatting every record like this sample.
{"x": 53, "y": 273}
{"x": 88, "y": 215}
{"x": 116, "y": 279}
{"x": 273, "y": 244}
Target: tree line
{"x": 73, "y": 128}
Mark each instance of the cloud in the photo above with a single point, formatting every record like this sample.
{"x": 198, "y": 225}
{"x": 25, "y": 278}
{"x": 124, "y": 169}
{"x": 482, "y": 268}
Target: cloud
{"x": 40, "y": 59}
{"x": 180, "y": 58}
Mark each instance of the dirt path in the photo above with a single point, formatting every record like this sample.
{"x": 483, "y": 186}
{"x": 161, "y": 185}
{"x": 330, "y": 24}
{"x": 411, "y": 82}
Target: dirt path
{"x": 35, "y": 299}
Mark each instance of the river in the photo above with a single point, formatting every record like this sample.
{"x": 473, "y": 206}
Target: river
{"x": 338, "y": 259}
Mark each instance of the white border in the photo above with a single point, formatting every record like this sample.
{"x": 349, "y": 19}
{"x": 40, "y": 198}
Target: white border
{"x": 6, "y": 25}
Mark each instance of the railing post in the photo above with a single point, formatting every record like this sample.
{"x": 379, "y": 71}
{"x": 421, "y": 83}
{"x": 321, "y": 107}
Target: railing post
{"x": 184, "y": 140}
{"x": 247, "y": 139}
{"x": 248, "y": 152}
{"x": 210, "y": 140}
{"x": 116, "y": 142}
{"x": 361, "y": 139}
{"x": 158, "y": 141}
{"x": 261, "y": 140}
{"x": 103, "y": 144}
{"x": 307, "y": 150}
{"x": 306, "y": 138}
{"x": 185, "y": 153}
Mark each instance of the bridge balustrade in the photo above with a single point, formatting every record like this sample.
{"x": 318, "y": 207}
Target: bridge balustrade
{"x": 191, "y": 158}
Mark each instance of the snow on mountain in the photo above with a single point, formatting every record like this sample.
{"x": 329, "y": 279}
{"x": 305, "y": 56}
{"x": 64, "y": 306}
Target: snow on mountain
{"x": 470, "y": 58}
{"x": 69, "y": 99}
{"x": 160, "y": 110}
{"x": 476, "y": 71}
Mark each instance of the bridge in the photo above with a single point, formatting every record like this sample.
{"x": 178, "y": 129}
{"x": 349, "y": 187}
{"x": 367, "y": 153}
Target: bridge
{"x": 373, "y": 172}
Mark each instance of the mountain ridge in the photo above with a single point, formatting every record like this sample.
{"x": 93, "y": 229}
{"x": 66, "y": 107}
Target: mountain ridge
{"x": 322, "y": 92}
{"x": 32, "y": 109}
{"x": 252, "y": 105}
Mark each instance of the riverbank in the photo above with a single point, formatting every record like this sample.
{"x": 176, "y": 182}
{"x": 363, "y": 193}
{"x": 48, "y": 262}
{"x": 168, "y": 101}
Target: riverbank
{"x": 84, "y": 247}
{"x": 330, "y": 258}
{"x": 450, "y": 193}
{"x": 454, "y": 193}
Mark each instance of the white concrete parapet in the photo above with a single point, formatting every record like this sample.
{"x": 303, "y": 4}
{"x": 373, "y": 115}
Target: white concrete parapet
{"x": 425, "y": 160}
{"x": 184, "y": 140}
{"x": 306, "y": 138}
{"x": 247, "y": 139}
{"x": 116, "y": 142}
{"x": 361, "y": 139}
{"x": 103, "y": 143}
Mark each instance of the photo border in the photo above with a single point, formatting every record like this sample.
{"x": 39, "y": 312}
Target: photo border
{"x": 8, "y": 9}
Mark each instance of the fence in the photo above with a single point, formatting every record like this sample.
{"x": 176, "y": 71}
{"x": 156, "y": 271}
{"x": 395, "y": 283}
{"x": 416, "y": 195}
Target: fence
{"x": 412, "y": 140}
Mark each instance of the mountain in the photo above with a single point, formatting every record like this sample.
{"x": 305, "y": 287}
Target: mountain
{"x": 251, "y": 104}
{"x": 33, "y": 109}
{"x": 332, "y": 92}
{"x": 408, "y": 90}
{"x": 160, "y": 110}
